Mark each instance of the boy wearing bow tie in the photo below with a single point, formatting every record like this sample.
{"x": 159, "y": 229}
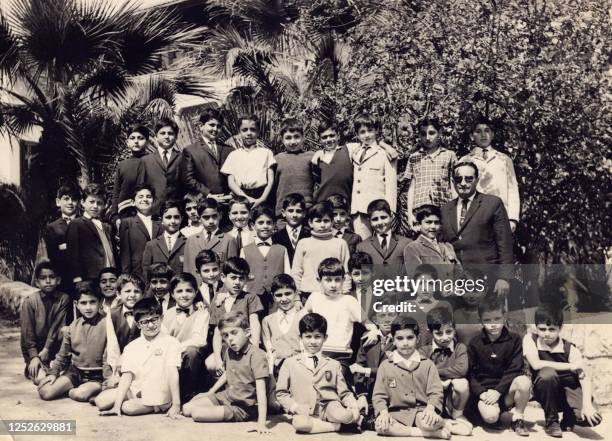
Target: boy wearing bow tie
{"x": 451, "y": 359}
{"x": 190, "y": 326}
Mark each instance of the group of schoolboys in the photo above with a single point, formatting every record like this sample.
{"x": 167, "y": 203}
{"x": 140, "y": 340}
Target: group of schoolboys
{"x": 271, "y": 308}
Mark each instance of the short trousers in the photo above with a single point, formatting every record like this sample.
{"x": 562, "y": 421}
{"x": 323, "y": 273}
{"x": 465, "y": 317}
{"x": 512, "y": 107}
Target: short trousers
{"x": 79, "y": 376}
{"x": 234, "y": 412}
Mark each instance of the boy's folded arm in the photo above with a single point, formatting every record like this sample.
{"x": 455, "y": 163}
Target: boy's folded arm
{"x": 28, "y": 324}
{"x": 218, "y": 384}
{"x": 62, "y": 358}
{"x": 530, "y": 351}
{"x": 58, "y": 322}
{"x": 459, "y": 367}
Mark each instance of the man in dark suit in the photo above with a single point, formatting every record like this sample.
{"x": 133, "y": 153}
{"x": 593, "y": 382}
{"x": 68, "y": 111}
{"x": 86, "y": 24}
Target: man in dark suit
{"x": 201, "y": 162}
{"x": 160, "y": 169}
{"x": 477, "y": 226}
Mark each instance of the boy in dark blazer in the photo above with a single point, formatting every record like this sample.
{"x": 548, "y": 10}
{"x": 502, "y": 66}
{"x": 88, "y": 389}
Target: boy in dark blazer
{"x": 294, "y": 213}
{"x": 341, "y": 221}
{"x": 89, "y": 240}
{"x": 160, "y": 169}
{"x": 169, "y": 246}
{"x": 201, "y": 162}
{"x": 136, "y": 231}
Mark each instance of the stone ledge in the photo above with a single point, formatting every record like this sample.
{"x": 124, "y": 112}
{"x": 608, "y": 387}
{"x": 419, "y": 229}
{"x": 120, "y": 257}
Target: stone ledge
{"x": 11, "y": 295}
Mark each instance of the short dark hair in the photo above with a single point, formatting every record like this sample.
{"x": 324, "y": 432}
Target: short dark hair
{"x": 186, "y": 278}
{"x": 481, "y": 119}
{"x": 401, "y": 323}
{"x": 236, "y": 265}
{"x": 490, "y": 303}
{"x": 313, "y": 322}
{"x": 262, "y": 210}
{"x": 426, "y": 268}
{"x": 207, "y": 203}
{"x": 281, "y": 281}
{"x": 434, "y": 122}
{"x": 548, "y": 315}
{"x": 144, "y": 186}
{"x": 192, "y": 197}
{"x": 69, "y": 189}
{"x": 87, "y": 287}
{"x": 294, "y": 199}
{"x": 170, "y": 204}
{"x": 165, "y": 122}
{"x": 327, "y": 125}
{"x": 210, "y": 113}
{"x": 438, "y": 317}
{"x": 45, "y": 265}
{"x": 147, "y": 306}
{"x": 160, "y": 270}
{"x": 93, "y": 190}
{"x": 241, "y": 200}
{"x": 320, "y": 210}
{"x": 291, "y": 125}
{"x": 126, "y": 278}
{"x": 338, "y": 202}
{"x": 234, "y": 318}
{"x": 424, "y": 211}
{"x": 366, "y": 120}
{"x": 379, "y": 205}
{"x": 206, "y": 256}
{"x": 138, "y": 128}
{"x": 108, "y": 269}
{"x": 465, "y": 164}
{"x": 330, "y": 267}
{"x": 247, "y": 117}
{"x": 359, "y": 259}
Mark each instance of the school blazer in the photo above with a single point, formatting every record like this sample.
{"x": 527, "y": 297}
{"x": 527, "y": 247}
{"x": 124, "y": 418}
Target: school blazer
{"x": 394, "y": 254}
{"x": 85, "y": 250}
{"x": 165, "y": 181}
{"x": 54, "y": 236}
{"x": 221, "y": 243}
{"x": 281, "y": 237}
{"x": 485, "y": 236}
{"x": 421, "y": 251}
{"x": 133, "y": 237}
{"x": 126, "y": 180}
{"x": 352, "y": 240}
{"x": 371, "y": 357}
{"x": 373, "y": 178}
{"x": 201, "y": 169}
{"x": 156, "y": 251}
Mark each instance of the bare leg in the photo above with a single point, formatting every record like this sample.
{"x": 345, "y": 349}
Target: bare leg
{"x": 85, "y": 391}
{"x": 58, "y": 389}
{"x": 205, "y": 411}
{"x": 436, "y": 430}
{"x": 518, "y": 395}
{"x": 308, "y": 424}
{"x": 199, "y": 399}
{"x": 335, "y": 412}
{"x": 398, "y": 429}
{"x": 106, "y": 399}
{"x": 135, "y": 407}
{"x": 460, "y": 395}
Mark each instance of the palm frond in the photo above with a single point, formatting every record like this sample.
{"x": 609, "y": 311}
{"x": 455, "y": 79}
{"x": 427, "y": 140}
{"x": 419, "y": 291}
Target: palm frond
{"x": 9, "y": 51}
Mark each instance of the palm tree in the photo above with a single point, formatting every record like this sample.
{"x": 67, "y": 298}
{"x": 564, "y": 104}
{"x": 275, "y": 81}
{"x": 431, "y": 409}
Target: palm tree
{"x": 81, "y": 70}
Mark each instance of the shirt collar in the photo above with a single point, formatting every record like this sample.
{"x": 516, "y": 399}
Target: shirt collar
{"x": 307, "y": 354}
{"x": 71, "y": 218}
{"x": 396, "y": 358}
{"x": 479, "y": 151}
{"x": 170, "y": 150}
{"x": 124, "y": 310}
{"x": 260, "y": 241}
{"x": 88, "y": 216}
{"x": 435, "y": 346}
{"x": 290, "y": 228}
{"x": 503, "y": 336}
{"x": 470, "y": 199}
{"x": 173, "y": 236}
{"x": 558, "y": 348}
{"x": 144, "y": 217}
{"x": 243, "y": 350}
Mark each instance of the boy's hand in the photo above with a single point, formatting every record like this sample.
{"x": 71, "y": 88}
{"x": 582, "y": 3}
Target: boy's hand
{"x": 362, "y": 403}
{"x": 174, "y": 412}
{"x": 590, "y": 414}
{"x": 383, "y": 421}
{"x": 356, "y": 369}
{"x": 219, "y": 364}
{"x": 430, "y": 417}
{"x": 33, "y": 367}
{"x": 576, "y": 366}
{"x": 262, "y": 429}
{"x": 370, "y": 338}
{"x": 502, "y": 287}
{"x": 115, "y": 411}
{"x": 44, "y": 355}
{"x": 446, "y": 383}
{"x": 297, "y": 304}
{"x": 49, "y": 379}
{"x": 355, "y": 412}
{"x": 490, "y": 397}
{"x": 112, "y": 381}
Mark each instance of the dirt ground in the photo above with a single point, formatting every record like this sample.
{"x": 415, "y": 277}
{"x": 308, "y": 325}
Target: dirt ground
{"x": 19, "y": 400}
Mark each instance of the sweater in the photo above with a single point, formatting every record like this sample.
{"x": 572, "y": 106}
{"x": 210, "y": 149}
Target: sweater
{"x": 293, "y": 175}
{"x": 335, "y": 177}
{"x": 309, "y": 253}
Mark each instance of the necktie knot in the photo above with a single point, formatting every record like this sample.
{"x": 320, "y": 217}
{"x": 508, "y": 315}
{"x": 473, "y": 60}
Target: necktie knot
{"x": 182, "y": 310}
{"x": 485, "y": 154}
{"x": 264, "y": 244}
{"x": 315, "y": 360}
{"x": 442, "y": 351}
{"x": 339, "y": 233}
{"x": 127, "y": 314}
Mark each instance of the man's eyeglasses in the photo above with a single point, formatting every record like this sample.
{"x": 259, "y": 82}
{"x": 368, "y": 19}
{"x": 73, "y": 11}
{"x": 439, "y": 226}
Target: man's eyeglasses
{"x": 467, "y": 179}
{"x": 146, "y": 322}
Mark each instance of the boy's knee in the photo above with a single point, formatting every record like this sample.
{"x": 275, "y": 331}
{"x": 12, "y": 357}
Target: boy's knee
{"x": 522, "y": 383}
{"x": 420, "y": 423}
{"x": 302, "y": 423}
{"x": 547, "y": 375}
{"x": 45, "y": 393}
{"x": 210, "y": 364}
{"x": 128, "y": 409}
{"x": 460, "y": 385}
{"x": 191, "y": 352}
{"x": 489, "y": 412}
{"x": 345, "y": 416}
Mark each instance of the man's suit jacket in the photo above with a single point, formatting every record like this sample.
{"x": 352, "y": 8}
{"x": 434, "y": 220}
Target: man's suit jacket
{"x": 54, "y": 236}
{"x": 394, "y": 254}
{"x": 156, "y": 251}
{"x": 133, "y": 237}
{"x": 164, "y": 180}
{"x": 221, "y": 243}
{"x": 201, "y": 169}
{"x": 485, "y": 236}
{"x": 85, "y": 251}
{"x": 281, "y": 237}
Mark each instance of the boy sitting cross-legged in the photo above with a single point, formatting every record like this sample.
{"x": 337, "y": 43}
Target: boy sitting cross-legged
{"x": 311, "y": 386}
{"x": 407, "y": 396}
{"x": 81, "y": 355}
{"x": 245, "y": 376}
{"x": 149, "y": 368}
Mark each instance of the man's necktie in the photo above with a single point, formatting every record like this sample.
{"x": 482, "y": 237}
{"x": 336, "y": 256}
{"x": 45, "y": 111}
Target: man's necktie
{"x": 213, "y": 148}
{"x": 383, "y": 242}
{"x": 294, "y": 237}
{"x": 127, "y": 314}
{"x": 166, "y": 158}
{"x": 67, "y": 219}
{"x": 211, "y": 290}
{"x": 485, "y": 154}
{"x": 182, "y": 311}
{"x": 169, "y": 242}
{"x": 464, "y": 204}
{"x": 239, "y": 238}
{"x": 363, "y": 154}
{"x": 339, "y": 234}
{"x": 208, "y": 236}
{"x": 315, "y": 360}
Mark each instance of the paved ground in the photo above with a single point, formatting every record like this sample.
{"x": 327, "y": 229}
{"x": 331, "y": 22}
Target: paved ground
{"x": 19, "y": 400}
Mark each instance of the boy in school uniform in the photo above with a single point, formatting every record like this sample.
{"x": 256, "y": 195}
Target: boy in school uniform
{"x": 107, "y": 283}
{"x": 128, "y": 170}
{"x": 245, "y": 378}
{"x": 496, "y": 368}
{"x": 81, "y": 356}
{"x": 293, "y": 170}
{"x": 311, "y": 251}
{"x": 294, "y": 214}
{"x": 374, "y": 174}
{"x": 311, "y": 386}
{"x": 451, "y": 360}
{"x": 159, "y": 276}
{"x": 190, "y": 208}
{"x": 560, "y": 383}
{"x": 239, "y": 215}
{"x": 43, "y": 314}
{"x": 170, "y": 246}
{"x": 136, "y": 231}
{"x": 90, "y": 240}
{"x": 496, "y": 170}
{"x": 211, "y": 238}
{"x": 250, "y": 168}
{"x": 160, "y": 169}
{"x": 360, "y": 269}
{"x": 234, "y": 298}
{"x": 265, "y": 259}
{"x": 149, "y": 370}
{"x": 341, "y": 221}
{"x": 209, "y": 268}
{"x": 279, "y": 329}
{"x": 190, "y": 326}
{"x": 201, "y": 162}
{"x": 407, "y": 395}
